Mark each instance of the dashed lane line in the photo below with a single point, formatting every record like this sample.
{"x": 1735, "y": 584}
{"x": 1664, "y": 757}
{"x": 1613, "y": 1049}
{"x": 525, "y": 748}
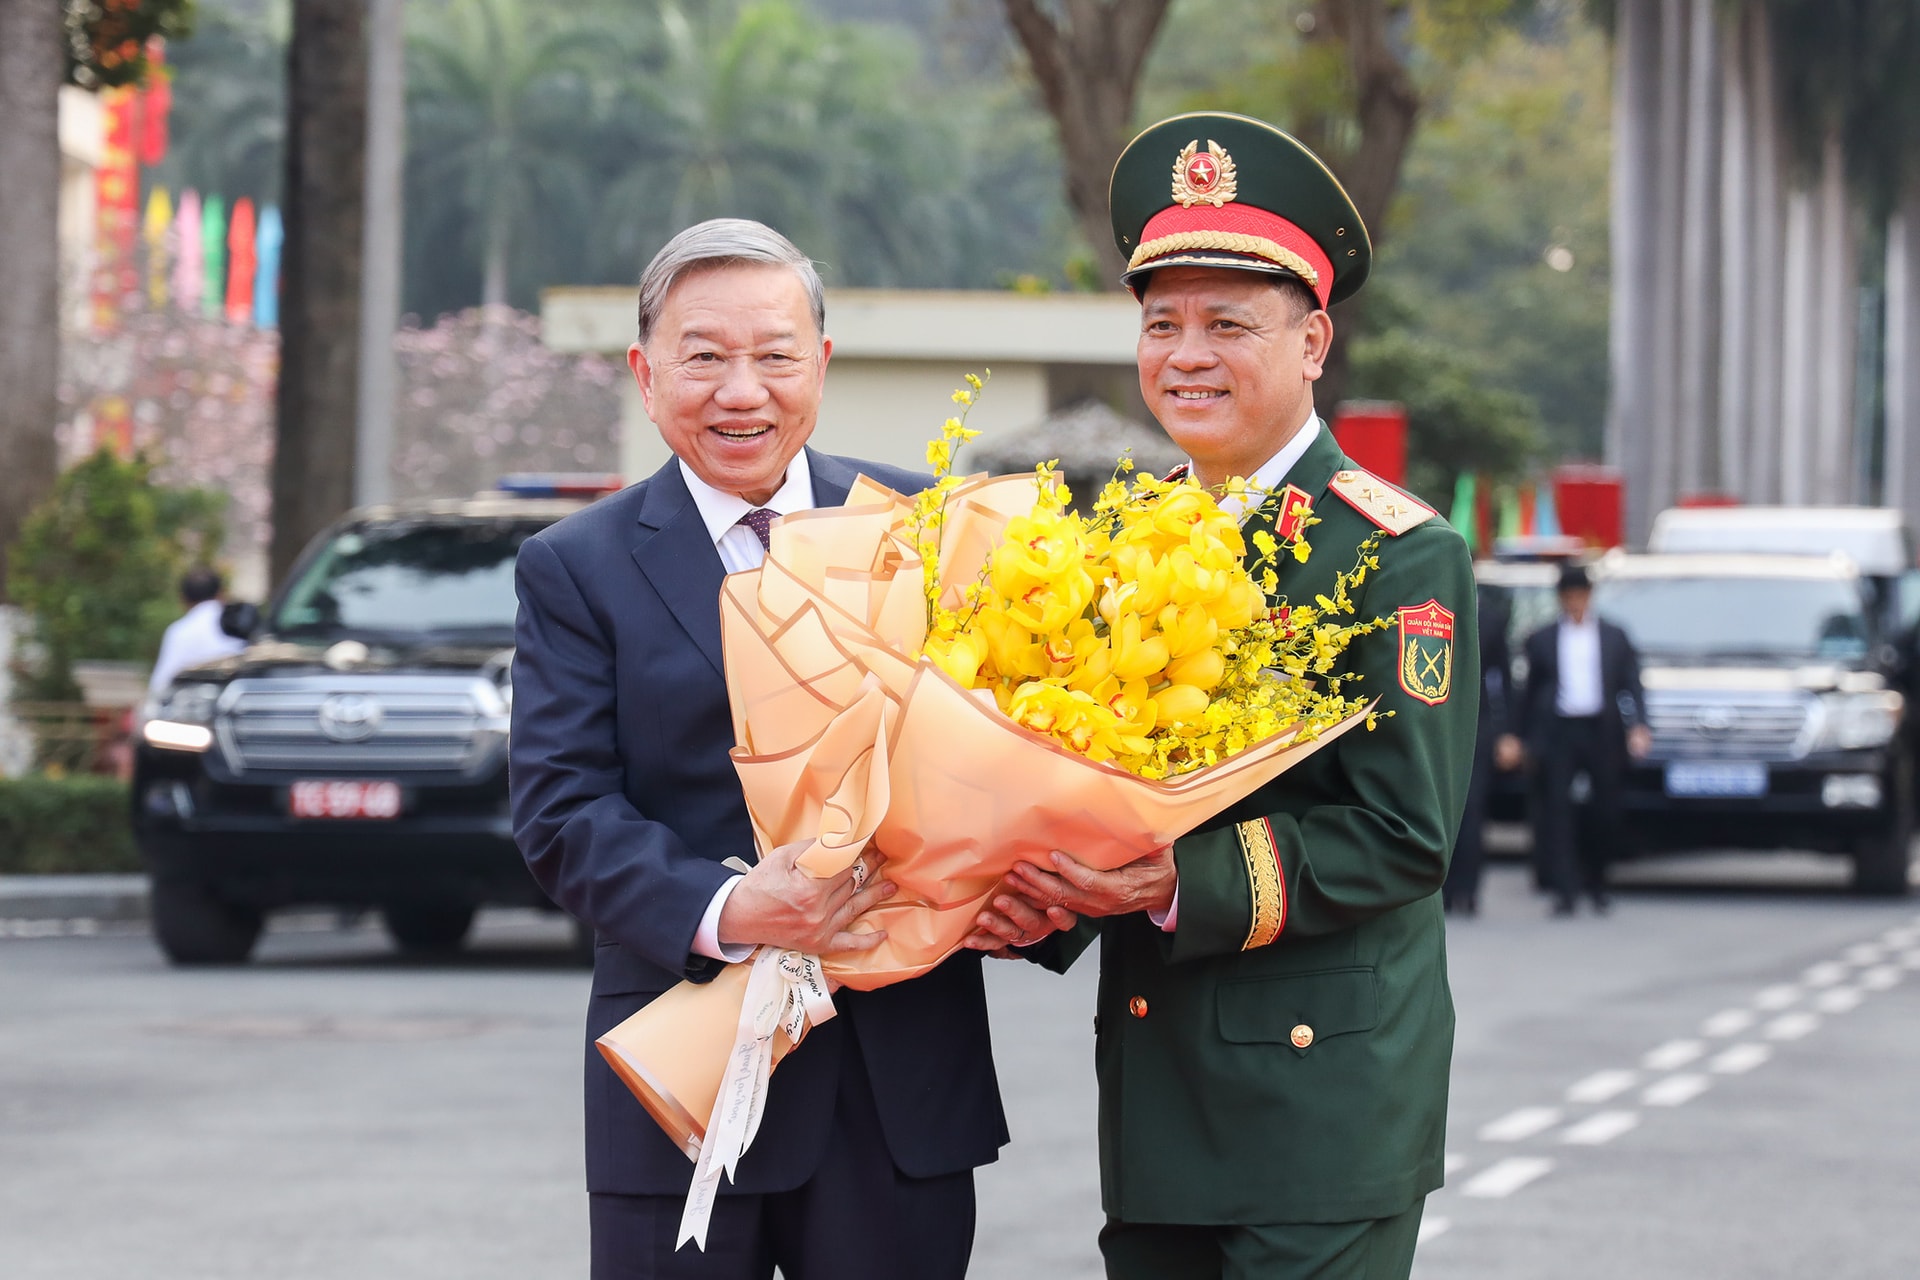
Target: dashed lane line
{"x": 1777, "y": 997}
{"x": 1792, "y": 1026}
{"x": 1600, "y": 1128}
{"x": 1910, "y": 959}
{"x": 1881, "y": 977}
{"x": 1431, "y": 1227}
{"x": 1672, "y": 1055}
{"x": 1453, "y": 1163}
{"x": 1675, "y": 1090}
{"x": 1602, "y": 1086}
{"x": 1517, "y": 1126}
{"x": 1727, "y": 1022}
{"x": 1864, "y": 953}
{"x": 1839, "y": 1000}
{"x": 1739, "y": 1059}
{"x": 1498, "y": 1181}
{"x": 1824, "y": 974}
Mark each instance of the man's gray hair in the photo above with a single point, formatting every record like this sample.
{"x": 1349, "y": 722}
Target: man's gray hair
{"x": 724, "y": 242}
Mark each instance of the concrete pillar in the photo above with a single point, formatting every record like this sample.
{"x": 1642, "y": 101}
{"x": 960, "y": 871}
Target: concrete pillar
{"x": 1669, "y": 205}
{"x": 1630, "y": 408}
{"x": 1739, "y": 266}
{"x": 1797, "y": 339}
{"x": 1902, "y": 363}
{"x": 1836, "y": 297}
{"x": 1696, "y": 445}
{"x": 380, "y": 251}
{"x": 1767, "y": 264}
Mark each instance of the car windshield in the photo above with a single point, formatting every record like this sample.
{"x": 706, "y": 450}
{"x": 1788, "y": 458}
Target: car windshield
{"x": 1738, "y": 617}
{"x": 447, "y": 579}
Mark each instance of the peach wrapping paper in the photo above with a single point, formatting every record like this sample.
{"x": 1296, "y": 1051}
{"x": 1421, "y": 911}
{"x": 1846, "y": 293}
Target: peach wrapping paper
{"x": 845, "y": 738}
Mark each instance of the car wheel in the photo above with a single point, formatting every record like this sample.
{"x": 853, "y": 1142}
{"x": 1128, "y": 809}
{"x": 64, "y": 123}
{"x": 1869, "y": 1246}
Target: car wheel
{"x": 194, "y": 926}
{"x": 426, "y": 928}
{"x": 1881, "y": 861}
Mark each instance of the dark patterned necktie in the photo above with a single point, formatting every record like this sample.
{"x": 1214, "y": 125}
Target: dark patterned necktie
{"x": 760, "y": 520}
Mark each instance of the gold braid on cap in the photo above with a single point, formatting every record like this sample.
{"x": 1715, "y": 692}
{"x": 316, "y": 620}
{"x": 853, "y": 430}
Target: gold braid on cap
{"x": 1226, "y": 242}
{"x": 1269, "y": 888}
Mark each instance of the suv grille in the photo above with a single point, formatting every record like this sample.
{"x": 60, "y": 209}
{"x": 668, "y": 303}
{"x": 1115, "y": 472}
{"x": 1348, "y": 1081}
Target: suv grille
{"x": 356, "y": 724}
{"x": 1691, "y": 724}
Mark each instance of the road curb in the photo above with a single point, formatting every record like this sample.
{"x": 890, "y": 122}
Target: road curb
{"x": 73, "y": 897}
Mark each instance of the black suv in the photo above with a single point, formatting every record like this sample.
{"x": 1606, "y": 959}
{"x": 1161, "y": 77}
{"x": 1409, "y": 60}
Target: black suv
{"x": 355, "y": 754}
{"x": 1773, "y": 694}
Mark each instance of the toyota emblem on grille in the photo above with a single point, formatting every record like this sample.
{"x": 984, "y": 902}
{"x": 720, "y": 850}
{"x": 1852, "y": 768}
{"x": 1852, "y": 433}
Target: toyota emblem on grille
{"x": 349, "y": 717}
{"x": 1714, "y": 719}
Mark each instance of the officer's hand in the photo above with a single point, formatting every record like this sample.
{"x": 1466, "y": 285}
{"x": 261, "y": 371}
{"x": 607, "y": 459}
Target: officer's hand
{"x": 779, "y": 905}
{"x": 1145, "y": 884}
{"x": 1639, "y": 741}
{"x": 1009, "y": 921}
{"x": 1508, "y": 753}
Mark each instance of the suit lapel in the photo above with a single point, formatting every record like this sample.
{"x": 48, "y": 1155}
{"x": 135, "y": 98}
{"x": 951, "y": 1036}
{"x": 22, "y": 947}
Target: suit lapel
{"x": 832, "y": 478}
{"x": 678, "y": 557}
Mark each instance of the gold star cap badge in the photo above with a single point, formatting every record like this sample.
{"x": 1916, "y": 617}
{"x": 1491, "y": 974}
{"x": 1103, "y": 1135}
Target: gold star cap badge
{"x": 1204, "y": 177}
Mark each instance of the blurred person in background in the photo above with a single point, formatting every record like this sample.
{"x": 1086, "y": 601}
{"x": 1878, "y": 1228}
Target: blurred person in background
{"x": 196, "y": 636}
{"x": 1461, "y": 893}
{"x": 1577, "y": 719}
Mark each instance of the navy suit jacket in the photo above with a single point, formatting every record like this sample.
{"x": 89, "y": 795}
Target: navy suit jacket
{"x": 624, "y": 804}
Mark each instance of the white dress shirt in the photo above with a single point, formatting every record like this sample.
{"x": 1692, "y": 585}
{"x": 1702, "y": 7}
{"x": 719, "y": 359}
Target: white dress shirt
{"x": 194, "y": 638}
{"x": 1579, "y": 693}
{"x": 740, "y": 550}
{"x": 1270, "y": 476}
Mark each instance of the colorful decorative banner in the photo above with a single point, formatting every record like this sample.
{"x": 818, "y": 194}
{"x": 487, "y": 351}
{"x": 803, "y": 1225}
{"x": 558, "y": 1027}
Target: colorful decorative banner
{"x": 266, "y": 279}
{"x": 154, "y": 229}
{"x": 1462, "y": 516}
{"x": 213, "y": 256}
{"x": 187, "y": 276}
{"x": 1509, "y": 517}
{"x": 155, "y": 105}
{"x": 241, "y": 260}
{"x": 1546, "y": 519}
{"x": 1528, "y": 528}
{"x": 117, "y": 210}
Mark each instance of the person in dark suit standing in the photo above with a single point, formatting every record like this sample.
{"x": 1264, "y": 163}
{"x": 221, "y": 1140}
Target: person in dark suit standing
{"x": 1460, "y": 895}
{"x": 1580, "y": 714}
{"x": 630, "y": 815}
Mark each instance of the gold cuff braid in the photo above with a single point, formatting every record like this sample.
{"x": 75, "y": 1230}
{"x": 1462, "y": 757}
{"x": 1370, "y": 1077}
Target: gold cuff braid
{"x": 1263, "y": 875}
{"x": 1226, "y": 242}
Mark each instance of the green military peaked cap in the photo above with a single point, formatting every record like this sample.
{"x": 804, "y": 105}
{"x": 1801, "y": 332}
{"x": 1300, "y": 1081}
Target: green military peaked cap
{"x": 1214, "y": 189}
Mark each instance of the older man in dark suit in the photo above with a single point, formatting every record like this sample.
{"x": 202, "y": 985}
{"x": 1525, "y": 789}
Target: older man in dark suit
{"x": 628, "y": 810}
{"x": 1580, "y": 714}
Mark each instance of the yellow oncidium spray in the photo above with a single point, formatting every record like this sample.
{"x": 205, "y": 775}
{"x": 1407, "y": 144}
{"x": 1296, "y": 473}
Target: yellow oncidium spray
{"x": 1142, "y": 634}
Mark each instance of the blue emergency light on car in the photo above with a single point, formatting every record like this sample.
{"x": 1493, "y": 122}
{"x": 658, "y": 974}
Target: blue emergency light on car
{"x": 564, "y": 484}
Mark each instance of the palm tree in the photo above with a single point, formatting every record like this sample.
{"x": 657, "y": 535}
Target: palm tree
{"x": 502, "y": 121}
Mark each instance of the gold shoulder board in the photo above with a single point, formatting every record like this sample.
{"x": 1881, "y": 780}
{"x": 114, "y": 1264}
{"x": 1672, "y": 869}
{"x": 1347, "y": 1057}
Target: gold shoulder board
{"x": 1393, "y": 509}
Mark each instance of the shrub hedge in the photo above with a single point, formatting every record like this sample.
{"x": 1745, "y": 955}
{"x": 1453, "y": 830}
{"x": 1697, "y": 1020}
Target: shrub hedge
{"x": 68, "y": 825}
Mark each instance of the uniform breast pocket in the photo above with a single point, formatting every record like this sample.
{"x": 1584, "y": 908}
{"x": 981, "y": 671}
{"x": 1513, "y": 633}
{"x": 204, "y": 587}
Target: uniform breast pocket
{"x": 1299, "y": 1009}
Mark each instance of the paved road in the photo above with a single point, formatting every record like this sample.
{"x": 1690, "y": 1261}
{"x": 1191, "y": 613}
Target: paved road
{"x": 1717, "y": 1081}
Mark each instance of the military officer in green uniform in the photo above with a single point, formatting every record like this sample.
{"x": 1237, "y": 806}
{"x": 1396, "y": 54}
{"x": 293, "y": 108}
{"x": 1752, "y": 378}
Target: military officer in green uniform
{"x": 1274, "y": 1026}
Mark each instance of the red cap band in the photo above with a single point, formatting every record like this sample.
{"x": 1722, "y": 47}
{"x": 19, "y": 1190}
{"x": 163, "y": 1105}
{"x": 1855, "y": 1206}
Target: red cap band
{"x": 1235, "y": 228}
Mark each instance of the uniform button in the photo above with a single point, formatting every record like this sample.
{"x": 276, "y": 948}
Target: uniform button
{"x": 1137, "y": 1006}
{"x": 1302, "y": 1036}
{"x": 1346, "y": 477}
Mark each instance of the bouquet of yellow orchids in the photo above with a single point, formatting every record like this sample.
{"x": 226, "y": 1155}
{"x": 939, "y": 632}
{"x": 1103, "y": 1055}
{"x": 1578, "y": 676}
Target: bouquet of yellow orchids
{"x": 944, "y": 685}
{"x": 1139, "y": 634}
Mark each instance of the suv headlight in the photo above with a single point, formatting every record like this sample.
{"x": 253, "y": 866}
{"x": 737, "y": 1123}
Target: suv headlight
{"x": 1852, "y": 721}
{"x": 181, "y": 719}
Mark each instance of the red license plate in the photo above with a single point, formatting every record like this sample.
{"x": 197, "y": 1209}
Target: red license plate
{"x": 345, "y": 800}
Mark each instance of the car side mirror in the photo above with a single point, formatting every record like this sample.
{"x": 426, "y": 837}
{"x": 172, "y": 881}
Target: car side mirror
{"x": 240, "y": 620}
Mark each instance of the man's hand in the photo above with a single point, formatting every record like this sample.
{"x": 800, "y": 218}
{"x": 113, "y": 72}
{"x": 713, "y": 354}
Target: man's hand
{"x": 1145, "y": 884}
{"x": 778, "y": 905}
{"x": 1508, "y": 753}
{"x": 1011, "y": 922}
{"x": 1639, "y": 741}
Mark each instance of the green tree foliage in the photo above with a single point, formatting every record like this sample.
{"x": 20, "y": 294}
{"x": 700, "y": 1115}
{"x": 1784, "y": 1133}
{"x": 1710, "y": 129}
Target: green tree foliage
{"x": 97, "y": 565}
{"x": 107, "y": 39}
{"x": 1846, "y": 67}
{"x": 229, "y": 115}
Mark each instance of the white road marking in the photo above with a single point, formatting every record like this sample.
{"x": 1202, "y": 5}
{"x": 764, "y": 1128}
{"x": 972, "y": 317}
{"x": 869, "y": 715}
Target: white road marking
{"x": 1824, "y": 974}
{"x": 1792, "y": 1026}
{"x": 1739, "y": 1058}
{"x": 1516, "y": 1126}
{"x": 1902, "y": 936}
{"x": 1881, "y": 977}
{"x": 1602, "y": 1086}
{"x": 1910, "y": 959}
{"x": 1727, "y": 1022}
{"x": 1775, "y": 997}
{"x": 1839, "y": 1000}
{"x": 1864, "y": 953}
{"x": 1503, "y": 1179}
{"x": 1601, "y": 1127}
{"x": 1672, "y": 1055}
{"x": 1453, "y": 1164}
{"x": 1431, "y": 1227}
{"x": 1675, "y": 1091}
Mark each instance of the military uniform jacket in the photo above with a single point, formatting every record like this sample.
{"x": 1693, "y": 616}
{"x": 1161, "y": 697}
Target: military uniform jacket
{"x": 1282, "y": 1056}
